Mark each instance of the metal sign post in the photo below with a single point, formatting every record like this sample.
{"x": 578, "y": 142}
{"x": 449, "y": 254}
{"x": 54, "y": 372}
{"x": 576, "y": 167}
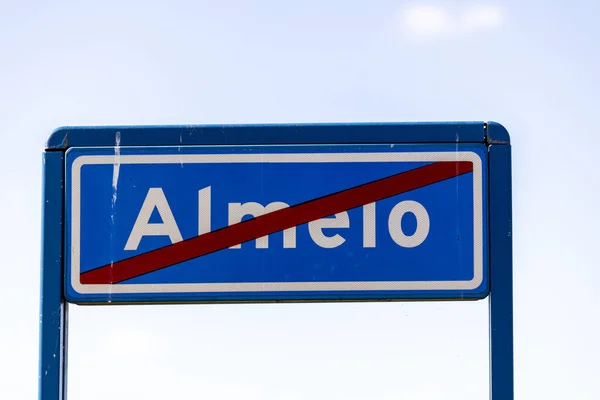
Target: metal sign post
{"x": 276, "y": 213}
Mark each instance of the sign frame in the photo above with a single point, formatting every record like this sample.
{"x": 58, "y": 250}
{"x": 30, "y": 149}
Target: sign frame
{"x": 495, "y": 138}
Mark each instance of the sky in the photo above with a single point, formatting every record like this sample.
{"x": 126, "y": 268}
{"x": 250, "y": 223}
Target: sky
{"x": 531, "y": 65}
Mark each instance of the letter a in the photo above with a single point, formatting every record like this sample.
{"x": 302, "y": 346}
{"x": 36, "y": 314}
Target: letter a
{"x": 168, "y": 227}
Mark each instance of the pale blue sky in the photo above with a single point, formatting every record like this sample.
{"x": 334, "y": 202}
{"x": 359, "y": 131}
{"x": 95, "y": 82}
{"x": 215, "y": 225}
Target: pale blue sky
{"x": 531, "y": 65}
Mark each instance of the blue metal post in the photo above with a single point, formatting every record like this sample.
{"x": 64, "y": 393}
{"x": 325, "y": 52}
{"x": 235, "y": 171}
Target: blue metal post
{"x": 53, "y": 308}
{"x": 501, "y": 274}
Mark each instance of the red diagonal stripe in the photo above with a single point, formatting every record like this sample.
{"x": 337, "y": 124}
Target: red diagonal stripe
{"x": 274, "y": 222}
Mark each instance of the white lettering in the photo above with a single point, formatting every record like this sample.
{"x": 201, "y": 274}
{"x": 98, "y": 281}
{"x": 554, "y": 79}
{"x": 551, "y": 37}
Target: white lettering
{"x": 204, "y": 210}
{"x": 315, "y": 228}
{"x": 155, "y": 199}
{"x": 142, "y": 227}
{"x": 237, "y": 211}
{"x": 395, "y": 226}
{"x": 369, "y": 225}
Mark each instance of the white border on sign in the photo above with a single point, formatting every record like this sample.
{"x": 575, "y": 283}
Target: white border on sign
{"x": 278, "y": 158}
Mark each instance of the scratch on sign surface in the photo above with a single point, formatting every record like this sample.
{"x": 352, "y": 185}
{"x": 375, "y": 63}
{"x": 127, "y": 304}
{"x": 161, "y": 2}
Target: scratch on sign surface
{"x": 116, "y": 165}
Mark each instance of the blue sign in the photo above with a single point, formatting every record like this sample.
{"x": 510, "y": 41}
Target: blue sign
{"x": 338, "y": 222}
{"x": 257, "y": 213}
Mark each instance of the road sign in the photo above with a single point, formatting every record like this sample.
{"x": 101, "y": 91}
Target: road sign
{"x": 314, "y": 212}
{"x": 276, "y": 223}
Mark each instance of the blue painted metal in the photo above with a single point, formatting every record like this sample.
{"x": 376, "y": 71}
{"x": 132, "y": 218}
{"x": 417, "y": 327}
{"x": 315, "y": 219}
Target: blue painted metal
{"x": 450, "y": 132}
{"x": 501, "y": 272}
{"x": 53, "y": 304}
{"x": 53, "y": 307}
{"x": 105, "y": 210}
{"x": 496, "y": 134}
